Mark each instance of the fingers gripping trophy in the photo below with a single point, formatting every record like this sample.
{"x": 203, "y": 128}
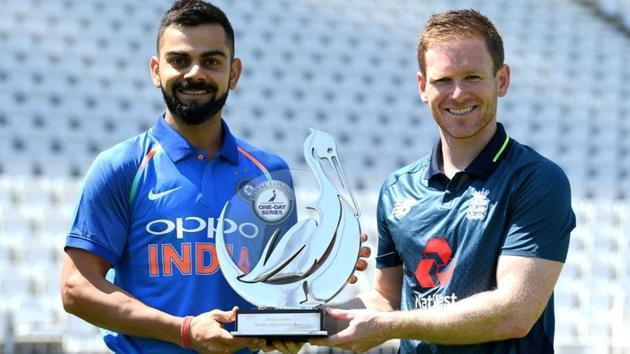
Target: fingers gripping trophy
{"x": 307, "y": 265}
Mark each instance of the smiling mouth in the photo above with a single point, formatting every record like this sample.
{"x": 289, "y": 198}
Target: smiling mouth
{"x": 189, "y": 92}
{"x": 461, "y": 111}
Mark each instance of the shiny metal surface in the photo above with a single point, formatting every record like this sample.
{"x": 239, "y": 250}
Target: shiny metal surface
{"x": 314, "y": 259}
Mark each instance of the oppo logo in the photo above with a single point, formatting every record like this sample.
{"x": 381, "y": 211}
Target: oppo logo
{"x": 181, "y": 226}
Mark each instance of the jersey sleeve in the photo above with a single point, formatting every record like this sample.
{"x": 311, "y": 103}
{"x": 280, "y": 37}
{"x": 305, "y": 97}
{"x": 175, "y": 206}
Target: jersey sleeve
{"x": 102, "y": 214}
{"x": 387, "y": 255}
{"x": 540, "y": 217}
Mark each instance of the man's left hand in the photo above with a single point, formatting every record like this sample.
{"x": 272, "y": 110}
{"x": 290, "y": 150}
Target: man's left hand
{"x": 284, "y": 347}
{"x": 362, "y": 264}
{"x": 367, "y": 329}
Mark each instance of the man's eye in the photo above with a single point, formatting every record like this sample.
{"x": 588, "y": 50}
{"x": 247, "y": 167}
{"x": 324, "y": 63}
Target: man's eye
{"x": 178, "y": 61}
{"x": 212, "y": 62}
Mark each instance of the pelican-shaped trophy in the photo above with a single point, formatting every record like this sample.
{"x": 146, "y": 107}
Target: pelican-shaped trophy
{"x": 314, "y": 259}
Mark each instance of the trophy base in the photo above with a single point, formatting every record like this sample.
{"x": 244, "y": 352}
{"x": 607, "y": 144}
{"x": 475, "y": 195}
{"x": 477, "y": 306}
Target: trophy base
{"x": 281, "y": 324}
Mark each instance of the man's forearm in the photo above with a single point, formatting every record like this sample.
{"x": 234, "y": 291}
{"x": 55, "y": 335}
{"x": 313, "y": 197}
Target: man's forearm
{"x": 524, "y": 286}
{"x": 376, "y": 300}
{"x": 386, "y": 293}
{"x": 479, "y": 318}
{"x": 107, "y": 306}
{"x": 372, "y": 299}
{"x": 91, "y": 297}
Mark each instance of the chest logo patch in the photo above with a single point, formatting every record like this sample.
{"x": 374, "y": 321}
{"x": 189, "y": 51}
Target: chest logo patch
{"x": 436, "y": 265}
{"x": 402, "y": 208}
{"x": 478, "y": 207}
{"x": 155, "y": 196}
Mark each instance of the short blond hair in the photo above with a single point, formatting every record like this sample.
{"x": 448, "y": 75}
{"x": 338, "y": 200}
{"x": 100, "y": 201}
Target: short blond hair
{"x": 460, "y": 24}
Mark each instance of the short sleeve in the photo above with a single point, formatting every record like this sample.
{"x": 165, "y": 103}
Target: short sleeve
{"x": 102, "y": 214}
{"x": 540, "y": 218}
{"x": 387, "y": 255}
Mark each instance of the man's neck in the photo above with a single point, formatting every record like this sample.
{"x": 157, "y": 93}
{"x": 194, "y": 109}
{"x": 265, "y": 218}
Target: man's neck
{"x": 457, "y": 154}
{"x": 205, "y": 136}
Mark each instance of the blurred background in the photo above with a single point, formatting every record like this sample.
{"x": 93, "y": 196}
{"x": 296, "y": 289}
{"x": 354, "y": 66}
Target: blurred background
{"x": 74, "y": 80}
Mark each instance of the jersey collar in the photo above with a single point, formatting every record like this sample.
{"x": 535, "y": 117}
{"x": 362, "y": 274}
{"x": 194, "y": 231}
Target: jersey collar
{"x": 177, "y": 148}
{"x": 484, "y": 164}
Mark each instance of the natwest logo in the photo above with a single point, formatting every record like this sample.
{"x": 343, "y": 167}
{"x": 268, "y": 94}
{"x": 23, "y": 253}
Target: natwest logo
{"x": 436, "y": 266}
{"x": 189, "y": 224}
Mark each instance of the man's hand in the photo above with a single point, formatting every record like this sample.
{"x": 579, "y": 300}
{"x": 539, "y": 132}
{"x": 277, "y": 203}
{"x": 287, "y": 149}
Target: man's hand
{"x": 367, "y": 329}
{"x": 281, "y": 346}
{"x": 362, "y": 264}
{"x": 207, "y": 334}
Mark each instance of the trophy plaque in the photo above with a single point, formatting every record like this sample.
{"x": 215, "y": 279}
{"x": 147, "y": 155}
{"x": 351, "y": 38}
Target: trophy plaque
{"x": 302, "y": 265}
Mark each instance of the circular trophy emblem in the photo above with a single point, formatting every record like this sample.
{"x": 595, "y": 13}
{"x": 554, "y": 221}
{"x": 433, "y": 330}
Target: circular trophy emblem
{"x": 273, "y": 201}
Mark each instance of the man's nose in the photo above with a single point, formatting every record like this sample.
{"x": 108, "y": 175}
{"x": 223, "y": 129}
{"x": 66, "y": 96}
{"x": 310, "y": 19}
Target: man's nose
{"x": 459, "y": 93}
{"x": 195, "y": 72}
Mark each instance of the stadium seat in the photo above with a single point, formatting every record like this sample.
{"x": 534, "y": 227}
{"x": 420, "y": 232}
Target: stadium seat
{"x": 37, "y": 325}
{"x": 81, "y": 337}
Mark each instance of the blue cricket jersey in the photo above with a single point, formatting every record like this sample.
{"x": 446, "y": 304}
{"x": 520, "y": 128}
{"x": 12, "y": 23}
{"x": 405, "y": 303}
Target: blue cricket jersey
{"x": 149, "y": 207}
{"x": 448, "y": 234}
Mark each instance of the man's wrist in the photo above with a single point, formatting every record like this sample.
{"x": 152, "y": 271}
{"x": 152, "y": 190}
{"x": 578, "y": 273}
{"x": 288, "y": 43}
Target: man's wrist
{"x": 185, "y": 332}
{"x": 394, "y": 324}
{"x": 385, "y": 321}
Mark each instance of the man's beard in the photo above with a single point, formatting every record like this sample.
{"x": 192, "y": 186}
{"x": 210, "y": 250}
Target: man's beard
{"x": 194, "y": 113}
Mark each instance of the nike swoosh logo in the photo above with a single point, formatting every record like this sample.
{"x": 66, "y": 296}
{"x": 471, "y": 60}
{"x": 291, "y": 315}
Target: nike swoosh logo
{"x": 154, "y": 196}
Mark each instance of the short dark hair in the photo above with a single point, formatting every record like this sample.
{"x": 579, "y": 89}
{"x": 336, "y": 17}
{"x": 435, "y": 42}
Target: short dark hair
{"x": 458, "y": 24}
{"x": 194, "y": 13}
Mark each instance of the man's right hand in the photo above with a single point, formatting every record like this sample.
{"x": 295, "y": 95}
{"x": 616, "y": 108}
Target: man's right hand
{"x": 207, "y": 334}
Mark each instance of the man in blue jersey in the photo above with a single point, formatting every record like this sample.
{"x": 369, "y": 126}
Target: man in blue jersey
{"x": 472, "y": 237}
{"x": 149, "y": 206}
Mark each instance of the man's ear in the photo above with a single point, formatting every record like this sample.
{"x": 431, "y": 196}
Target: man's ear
{"x": 503, "y": 80}
{"x": 422, "y": 86}
{"x": 235, "y": 72}
{"x": 154, "y": 67}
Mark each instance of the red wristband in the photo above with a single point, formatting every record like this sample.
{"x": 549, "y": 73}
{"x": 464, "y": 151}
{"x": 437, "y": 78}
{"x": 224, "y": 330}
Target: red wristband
{"x": 185, "y": 332}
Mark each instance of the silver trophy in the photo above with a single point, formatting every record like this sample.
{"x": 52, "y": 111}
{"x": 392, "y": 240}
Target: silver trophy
{"x": 309, "y": 264}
